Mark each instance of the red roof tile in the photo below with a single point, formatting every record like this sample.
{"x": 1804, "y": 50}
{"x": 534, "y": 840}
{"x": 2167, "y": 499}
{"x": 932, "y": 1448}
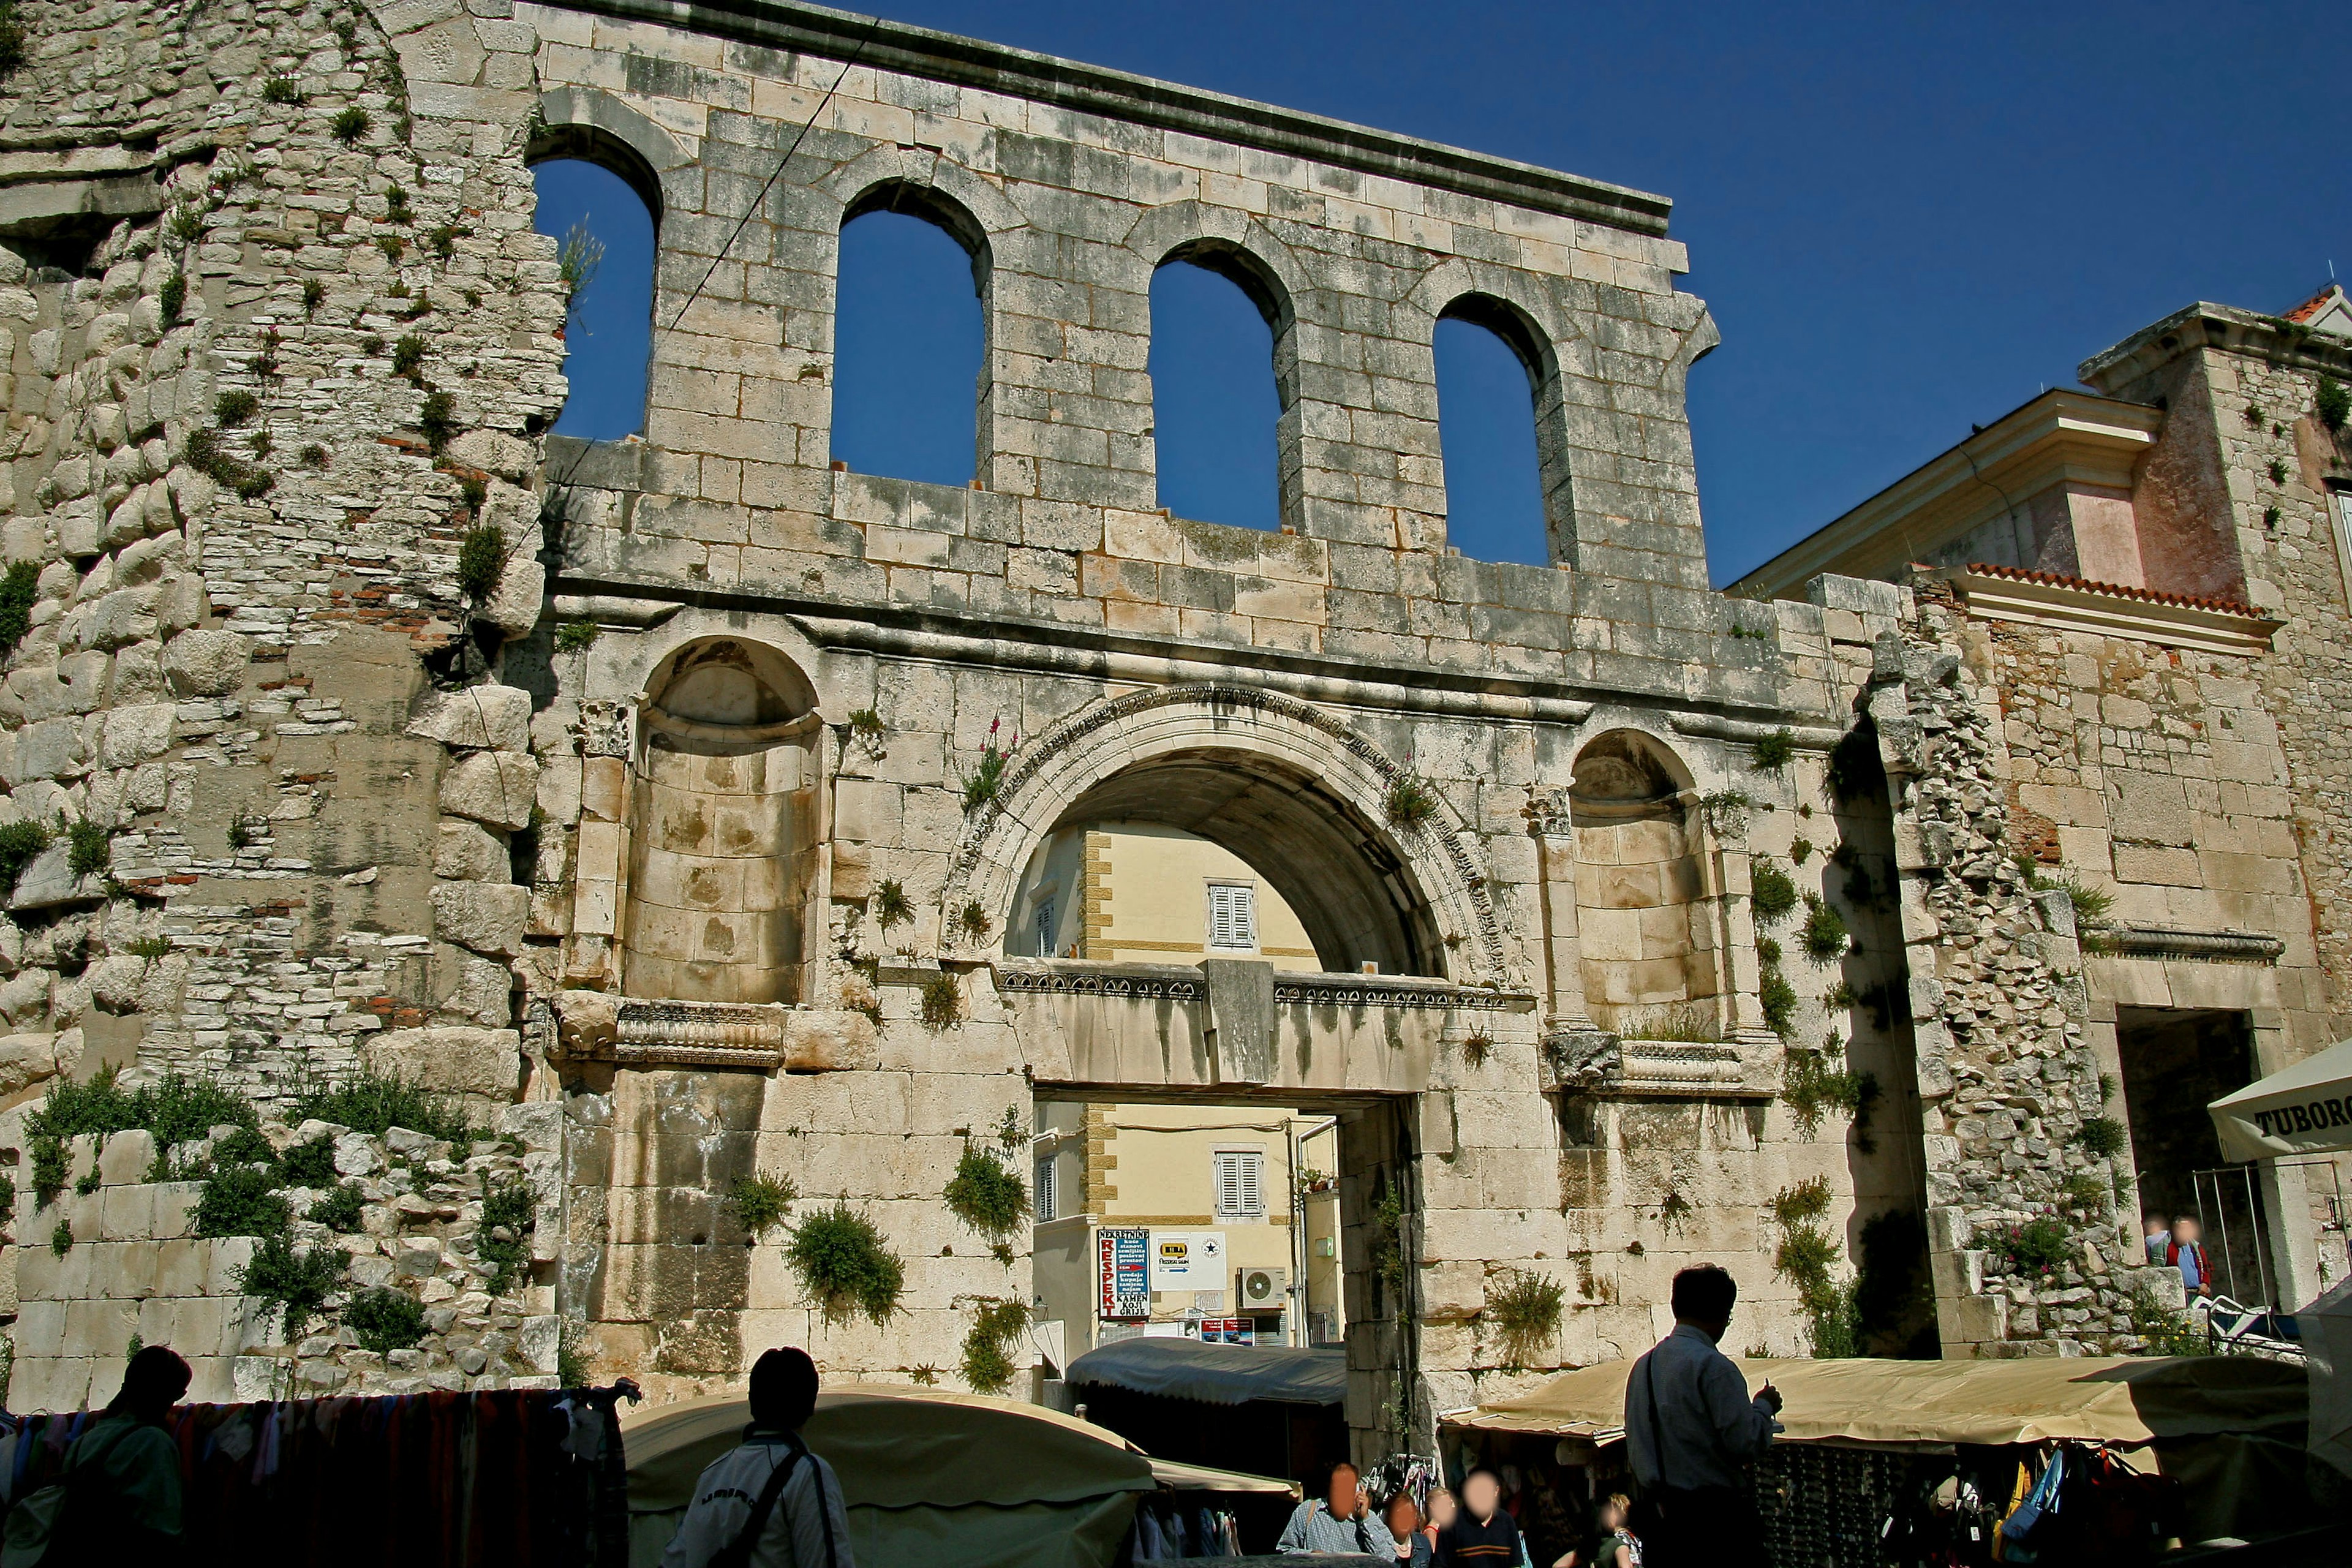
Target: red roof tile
{"x": 2116, "y": 589}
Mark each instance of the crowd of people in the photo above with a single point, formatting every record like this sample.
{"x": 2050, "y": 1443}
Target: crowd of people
{"x": 1690, "y": 1429}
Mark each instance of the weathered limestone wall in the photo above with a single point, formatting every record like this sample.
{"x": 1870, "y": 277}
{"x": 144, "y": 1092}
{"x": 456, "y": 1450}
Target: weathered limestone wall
{"x": 355, "y": 811}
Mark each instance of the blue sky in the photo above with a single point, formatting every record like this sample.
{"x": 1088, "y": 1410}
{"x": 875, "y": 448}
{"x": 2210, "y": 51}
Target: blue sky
{"x": 1907, "y": 218}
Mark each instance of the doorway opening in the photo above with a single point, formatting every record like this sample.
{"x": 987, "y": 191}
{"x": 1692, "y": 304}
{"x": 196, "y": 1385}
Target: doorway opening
{"x": 2176, "y": 1061}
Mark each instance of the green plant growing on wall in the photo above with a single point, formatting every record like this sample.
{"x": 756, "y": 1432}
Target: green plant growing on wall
{"x": 1012, "y": 1133}
{"x": 2033, "y": 1249}
{"x": 844, "y": 1266}
{"x": 314, "y": 294}
{"x": 385, "y": 1320}
{"x": 7, "y": 1199}
{"x": 1806, "y": 1257}
{"x": 172, "y": 298}
{"x": 866, "y": 727}
{"x": 20, "y": 589}
{"x": 2101, "y": 1137}
{"x": 891, "y": 906}
{"x": 1773, "y": 751}
{"x": 759, "y": 1204}
{"x": 1823, "y": 936}
{"x": 996, "y": 1329}
{"x": 986, "y": 780}
{"x": 296, "y": 1284}
{"x": 973, "y": 923}
{"x": 20, "y": 844}
{"x": 1800, "y": 849}
{"x": 61, "y": 1237}
{"x": 284, "y": 89}
{"x": 2167, "y": 1329}
{"x": 943, "y": 1003}
{"x": 395, "y": 206}
{"x": 2332, "y": 402}
{"x": 1777, "y": 999}
{"x": 481, "y": 562}
{"x": 1771, "y": 893}
{"x": 338, "y": 1208}
{"x": 2092, "y": 905}
{"x": 1476, "y": 1046}
{"x": 311, "y": 1165}
{"x": 1525, "y": 1308}
{"x": 408, "y": 356}
{"x": 242, "y": 1200}
{"x": 1853, "y": 772}
{"x": 437, "y": 416}
{"x": 986, "y": 1196}
{"x": 1411, "y": 801}
{"x": 510, "y": 1214}
{"x": 89, "y": 848}
{"x": 374, "y": 1103}
{"x": 350, "y": 125}
{"x": 12, "y": 38}
{"x": 1387, "y": 1244}
{"x": 1812, "y": 1087}
{"x": 577, "y": 636}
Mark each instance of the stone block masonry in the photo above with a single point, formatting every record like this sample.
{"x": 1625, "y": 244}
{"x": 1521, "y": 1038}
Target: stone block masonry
{"x": 719, "y": 882}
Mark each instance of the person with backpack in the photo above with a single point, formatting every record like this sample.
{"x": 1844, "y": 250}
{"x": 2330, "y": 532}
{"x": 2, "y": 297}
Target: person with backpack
{"x": 767, "y": 1502}
{"x": 117, "y": 1498}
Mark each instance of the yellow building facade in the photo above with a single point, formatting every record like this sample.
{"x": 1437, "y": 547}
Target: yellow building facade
{"x": 1238, "y": 1204}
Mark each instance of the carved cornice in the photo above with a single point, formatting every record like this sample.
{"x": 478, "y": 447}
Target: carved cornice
{"x": 2175, "y": 942}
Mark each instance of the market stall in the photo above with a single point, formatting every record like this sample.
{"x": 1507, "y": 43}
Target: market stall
{"x": 513, "y": 1477}
{"x": 1274, "y": 1410}
{"x": 950, "y": 1480}
{"x": 1886, "y": 1461}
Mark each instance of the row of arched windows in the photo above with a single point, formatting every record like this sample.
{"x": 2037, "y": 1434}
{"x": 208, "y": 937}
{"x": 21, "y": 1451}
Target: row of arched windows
{"x": 910, "y": 345}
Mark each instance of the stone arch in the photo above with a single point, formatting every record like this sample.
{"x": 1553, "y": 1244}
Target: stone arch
{"x": 723, "y": 827}
{"x": 975, "y": 202}
{"x": 583, "y": 122}
{"x": 1650, "y": 932}
{"x": 1251, "y": 764}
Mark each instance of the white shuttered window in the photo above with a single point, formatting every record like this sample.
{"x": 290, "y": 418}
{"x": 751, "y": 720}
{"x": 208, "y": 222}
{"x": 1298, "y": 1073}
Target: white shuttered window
{"x": 1241, "y": 1182}
{"x": 1232, "y": 917}
{"x": 1048, "y": 1205}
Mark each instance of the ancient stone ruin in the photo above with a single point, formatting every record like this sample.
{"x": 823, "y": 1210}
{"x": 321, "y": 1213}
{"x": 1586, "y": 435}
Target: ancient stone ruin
{"x": 654, "y": 803}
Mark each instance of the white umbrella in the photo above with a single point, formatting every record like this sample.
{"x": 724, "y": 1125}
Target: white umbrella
{"x": 2306, "y": 1109}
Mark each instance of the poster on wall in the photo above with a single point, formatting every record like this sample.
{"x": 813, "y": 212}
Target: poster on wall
{"x": 1123, "y": 1263}
{"x": 1188, "y": 1260}
{"x": 1229, "y": 1330}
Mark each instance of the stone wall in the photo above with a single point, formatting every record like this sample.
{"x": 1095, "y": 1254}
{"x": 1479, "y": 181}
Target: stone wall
{"x": 354, "y": 810}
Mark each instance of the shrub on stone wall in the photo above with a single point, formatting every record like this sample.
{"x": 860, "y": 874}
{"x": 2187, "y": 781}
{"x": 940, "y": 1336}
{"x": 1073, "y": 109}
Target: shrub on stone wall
{"x": 311, "y": 1165}
{"x": 295, "y": 1284}
{"x": 997, "y": 1326}
{"x": 1525, "y": 1308}
{"x": 986, "y": 1196}
{"x": 374, "y": 1103}
{"x": 2333, "y": 403}
{"x": 1773, "y": 751}
{"x": 176, "y": 1109}
{"x": 242, "y": 1200}
{"x": 2031, "y": 1249}
{"x": 20, "y": 844}
{"x": 509, "y": 1214}
{"x": 759, "y": 1203}
{"x": 20, "y": 589}
{"x": 1771, "y": 893}
{"x": 845, "y": 1266}
{"x": 338, "y": 1208}
{"x": 385, "y": 1320}
{"x": 1823, "y": 935}
{"x": 943, "y": 1003}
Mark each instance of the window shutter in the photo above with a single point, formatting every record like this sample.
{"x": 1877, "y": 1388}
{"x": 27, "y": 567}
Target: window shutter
{"x": 1240, "y": 1181}
{"x": 1047, "y": 1208}
{"x": 1232, "y": 917}
{"x": 1046, "y": 929}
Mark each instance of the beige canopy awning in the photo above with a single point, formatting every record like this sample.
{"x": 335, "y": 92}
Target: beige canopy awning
{"x": 2110, "y": 1399}
{"x": 2306, "y": 1109}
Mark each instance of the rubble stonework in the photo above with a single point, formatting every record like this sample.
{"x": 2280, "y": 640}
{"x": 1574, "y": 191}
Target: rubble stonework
{"x": 636, "y": 886}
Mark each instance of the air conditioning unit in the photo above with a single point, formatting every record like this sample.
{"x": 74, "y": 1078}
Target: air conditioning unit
{"x": 1264, "y": 1290}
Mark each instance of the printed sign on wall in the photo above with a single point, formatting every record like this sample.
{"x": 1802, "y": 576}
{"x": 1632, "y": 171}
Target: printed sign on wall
{"x": 1123, "y": 1260}
{"x": 1188, "y": 1260}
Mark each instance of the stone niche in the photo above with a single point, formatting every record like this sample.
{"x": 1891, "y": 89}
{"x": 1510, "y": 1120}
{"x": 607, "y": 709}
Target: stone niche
{"x": 724, "y": 828}
{"x": 1649, "y": 921}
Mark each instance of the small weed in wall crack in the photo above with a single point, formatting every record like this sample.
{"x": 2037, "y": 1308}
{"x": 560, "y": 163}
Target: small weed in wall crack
{"x": 943, "y": 1003}
{"x": 891, "y": 906}
{"x": 759, "y": 1203}
{"x": 1525, "y": 1308}
{"x": 997, "y": 1326}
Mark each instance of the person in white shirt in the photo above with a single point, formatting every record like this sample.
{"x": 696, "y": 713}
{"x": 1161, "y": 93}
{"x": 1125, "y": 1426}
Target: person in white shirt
{"x": 1691, "y": 1431}
{"x": 767, "y": 1502}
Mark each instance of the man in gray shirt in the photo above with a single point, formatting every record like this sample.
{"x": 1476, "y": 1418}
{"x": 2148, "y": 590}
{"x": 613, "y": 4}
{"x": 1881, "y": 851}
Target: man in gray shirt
{"x": 1340, "y": 1520}
{"x": 1691, "y": 1430}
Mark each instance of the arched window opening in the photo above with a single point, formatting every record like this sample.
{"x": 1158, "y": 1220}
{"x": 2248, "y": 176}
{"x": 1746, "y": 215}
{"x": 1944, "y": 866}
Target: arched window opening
{"x": 910, "y": 338}
{"x": 1207, "y": 856}
{"x": 1648, "y": 931}
{"x": 1220, "y": 327}
{"x": 602, "y": 213}
{"x": 1490, "y": 381}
